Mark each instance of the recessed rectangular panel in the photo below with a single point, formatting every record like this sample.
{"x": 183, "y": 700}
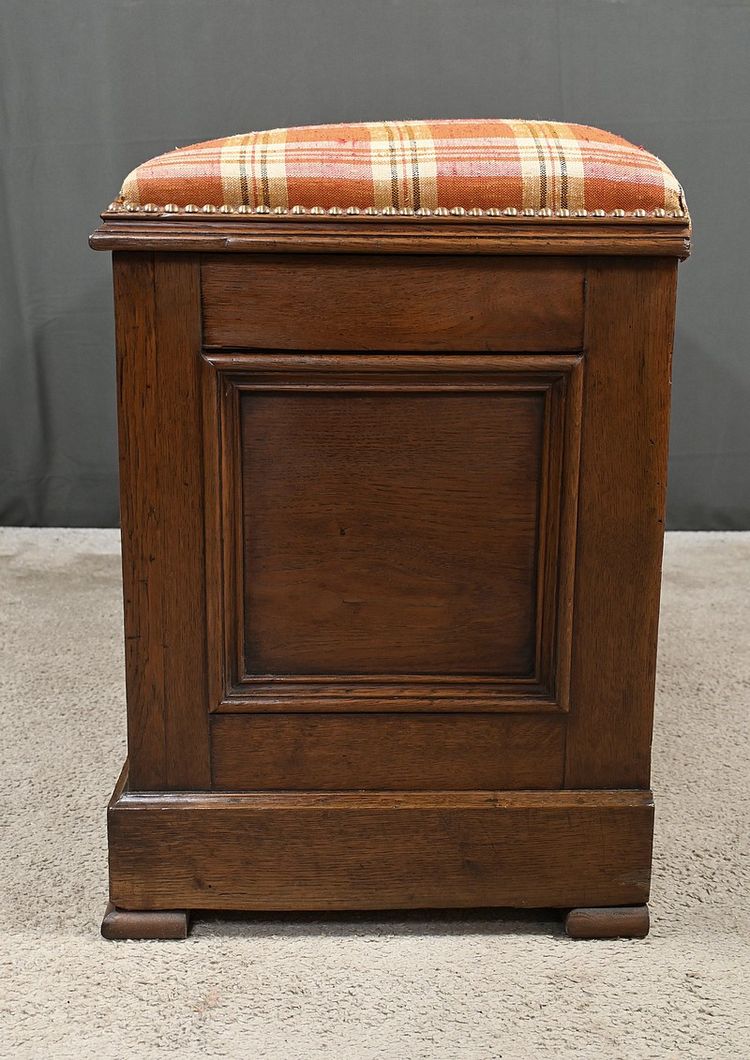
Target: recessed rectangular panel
{"x": 391, "y": 532}
{"x": 395, "y": 533}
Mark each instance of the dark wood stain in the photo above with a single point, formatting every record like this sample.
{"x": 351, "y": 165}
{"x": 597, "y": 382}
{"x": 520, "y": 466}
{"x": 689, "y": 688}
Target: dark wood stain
{"x": 392, "y": 511}
{"x": 391, "y": 533}
{"x": 380, "y": 850}
{"x": 344, "y": 302}
{"x": 621, "y": 509}
{"x": 571, "y": 237}
{"x": 275, "y": 526}
{"x": 388, "y": 752}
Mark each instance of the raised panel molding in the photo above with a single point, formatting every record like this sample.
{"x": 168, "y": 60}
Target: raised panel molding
{"x": 535, "y": 393}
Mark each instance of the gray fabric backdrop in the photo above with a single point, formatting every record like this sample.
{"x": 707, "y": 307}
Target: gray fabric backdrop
{"x": 89, "y": 88}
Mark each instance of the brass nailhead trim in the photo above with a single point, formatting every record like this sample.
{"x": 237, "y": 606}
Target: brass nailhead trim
{"x": 127, "y": 206}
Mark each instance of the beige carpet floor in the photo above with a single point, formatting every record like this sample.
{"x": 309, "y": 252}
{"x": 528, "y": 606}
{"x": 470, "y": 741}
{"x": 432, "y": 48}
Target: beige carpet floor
{"x": 479, "y": 985}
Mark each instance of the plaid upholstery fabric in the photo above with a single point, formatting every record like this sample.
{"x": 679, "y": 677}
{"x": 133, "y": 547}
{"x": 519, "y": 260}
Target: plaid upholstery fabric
{"x": 544, "y": 168}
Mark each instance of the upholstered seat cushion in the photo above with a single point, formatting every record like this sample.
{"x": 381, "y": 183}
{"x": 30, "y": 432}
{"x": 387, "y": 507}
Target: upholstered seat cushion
{"x": 439, "y": 167}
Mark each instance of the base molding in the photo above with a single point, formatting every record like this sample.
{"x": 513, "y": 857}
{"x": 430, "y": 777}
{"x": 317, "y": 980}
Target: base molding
{"x": 141, "y": 924}
{"x": 287, "y": 851}
{"x": 615, "y": 922}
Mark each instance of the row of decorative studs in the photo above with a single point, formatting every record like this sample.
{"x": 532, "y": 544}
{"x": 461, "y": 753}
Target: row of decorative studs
{"x": 387, "y": 211}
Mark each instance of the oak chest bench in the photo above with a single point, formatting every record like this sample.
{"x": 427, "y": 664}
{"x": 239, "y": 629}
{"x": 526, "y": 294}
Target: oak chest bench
{"x": 393, "y": 408}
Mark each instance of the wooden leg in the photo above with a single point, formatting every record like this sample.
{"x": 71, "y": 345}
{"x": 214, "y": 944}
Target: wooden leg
{"x": 144, "y": 924}
{"x": 609, "y": 922}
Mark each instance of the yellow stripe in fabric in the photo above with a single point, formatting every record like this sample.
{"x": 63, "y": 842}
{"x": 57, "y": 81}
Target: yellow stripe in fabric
{"x": 381, "y": 165}
{"x": 232, "y": 168}
{"x": 423, "y": 166}
{"x": 570, "y": 147}
{"x": 273, "y": 170}
{"x": 528, "y": 164}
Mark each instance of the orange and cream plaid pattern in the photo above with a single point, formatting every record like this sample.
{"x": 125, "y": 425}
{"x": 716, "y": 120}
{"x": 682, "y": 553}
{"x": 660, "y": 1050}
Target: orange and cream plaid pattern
{"x": 544, "y": 168}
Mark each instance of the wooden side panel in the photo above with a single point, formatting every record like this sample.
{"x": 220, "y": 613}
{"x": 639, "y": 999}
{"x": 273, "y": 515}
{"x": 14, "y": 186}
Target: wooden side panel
{"x": 629, "y": 329}
{"x": 350, "y": 302}
{"x": 380, "y": 850}
{"x": 158, "y": 339}
{"x": 339, "y": 752}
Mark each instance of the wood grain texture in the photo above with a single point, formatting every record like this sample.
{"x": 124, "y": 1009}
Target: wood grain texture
{"x": 340, "y": 302}
{"x": 390, "y": 574}
{"x": 377, "y": 850}
{"x": 177, "y": 281}
{"x": 121, "y": 924}
{"x": 629, "y": 328}
{"x": 158, "y": 340}
{"x": 338, "y": 752}
{"x": 615, "y": 922}
{"x": 399, "y": 527}
{"x": 357, "y": 556}
{"x": 138, "y": 423}
{"x": 523, "y": 236}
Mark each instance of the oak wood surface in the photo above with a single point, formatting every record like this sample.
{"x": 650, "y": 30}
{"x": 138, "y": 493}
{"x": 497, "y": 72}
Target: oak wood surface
{"x": 268, "y": 495}
{"x": 161, "y": 477}
{"x": 371, "y": 519}
{"x": 138, "y": 419}
{"x": 357, "y": 556}
{"x": 144, "y": 924}
{"x": 615, "y": 922}
{"x": 343, "y": 302}
{"x": 377, "y": 850}
{"x": 331, "y": 752}
{"x": 629, "y": 328}
{"x": 523, "y": 236}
